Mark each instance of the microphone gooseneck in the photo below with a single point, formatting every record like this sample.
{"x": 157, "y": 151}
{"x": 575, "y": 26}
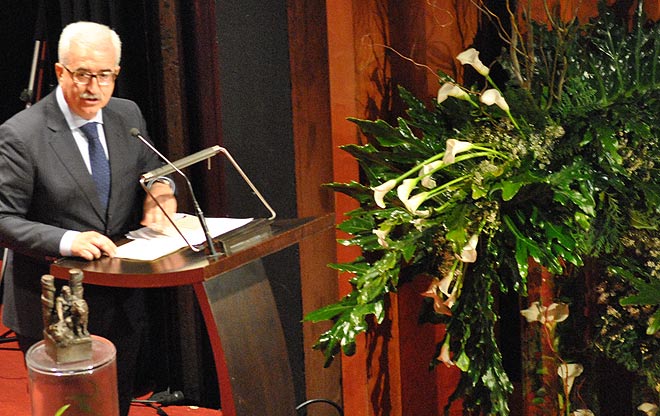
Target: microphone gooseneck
{"x": 198, "y": 211}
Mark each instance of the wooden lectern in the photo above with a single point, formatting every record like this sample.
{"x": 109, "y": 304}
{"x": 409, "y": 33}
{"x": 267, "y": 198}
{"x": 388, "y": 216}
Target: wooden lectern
{"x": 237, "y": 303}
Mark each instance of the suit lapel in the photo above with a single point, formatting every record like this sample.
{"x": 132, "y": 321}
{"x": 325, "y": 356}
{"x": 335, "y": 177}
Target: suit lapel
{"x": 115, "y": 136}
{"x": 66, "y": 150}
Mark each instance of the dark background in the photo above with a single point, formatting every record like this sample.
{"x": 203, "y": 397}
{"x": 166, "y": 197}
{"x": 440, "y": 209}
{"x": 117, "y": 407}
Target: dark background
{"x": 16, "y": 32}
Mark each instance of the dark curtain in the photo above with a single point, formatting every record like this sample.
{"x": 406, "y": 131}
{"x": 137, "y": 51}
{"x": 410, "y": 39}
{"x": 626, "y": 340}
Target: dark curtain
{"x": 129, "y": 18}
{"x": 17, "y": 22}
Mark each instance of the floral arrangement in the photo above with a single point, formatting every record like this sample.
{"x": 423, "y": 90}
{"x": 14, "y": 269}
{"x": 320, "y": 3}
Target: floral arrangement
{"x": 558, "y": 165}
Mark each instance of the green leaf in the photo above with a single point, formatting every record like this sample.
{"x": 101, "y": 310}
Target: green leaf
{"x": 522, "y": 259}
{"x": 348, "y": 325}
{"x": 357, "y": 225}
{"x": 608, "y": 138}
{"x": 357, "y": 266}
{"x": 328, "y": 312}
{"x": 381, "y": 130}
{"x": 649, "y": 295}
{"x": 357, "y": 191}
{"x": 463, "y": 362}
{"x": 510, "y": 189}
{"x": 407, "y": 250}
{"x": 654, "y": 324}
{"x": 457, "y": 235}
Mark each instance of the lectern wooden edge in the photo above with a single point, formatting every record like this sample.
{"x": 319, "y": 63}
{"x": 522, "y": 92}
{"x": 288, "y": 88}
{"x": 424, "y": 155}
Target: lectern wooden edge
{"x": 238, "y": 307}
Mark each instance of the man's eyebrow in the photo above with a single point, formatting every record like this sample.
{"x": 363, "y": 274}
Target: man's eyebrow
{"x": 98, "y": 72}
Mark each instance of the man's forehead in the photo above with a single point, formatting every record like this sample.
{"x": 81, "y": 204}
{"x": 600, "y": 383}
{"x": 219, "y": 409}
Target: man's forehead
{"x": 82, "y": 56}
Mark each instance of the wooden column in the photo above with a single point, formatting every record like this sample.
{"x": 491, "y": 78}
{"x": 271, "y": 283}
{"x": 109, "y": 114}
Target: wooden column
{"x": 172, "y": 93}
{"x": 313, "y": 147}
{"x": 207, "y": 131}
{"x": 343, "y": 61}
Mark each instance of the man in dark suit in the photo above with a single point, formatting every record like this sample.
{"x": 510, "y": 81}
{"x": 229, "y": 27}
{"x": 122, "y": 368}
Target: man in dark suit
{"x": 58, "y": 198}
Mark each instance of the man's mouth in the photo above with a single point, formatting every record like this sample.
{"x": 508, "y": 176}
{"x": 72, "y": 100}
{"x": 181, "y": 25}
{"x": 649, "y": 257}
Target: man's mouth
{"x": 90, "y": 97}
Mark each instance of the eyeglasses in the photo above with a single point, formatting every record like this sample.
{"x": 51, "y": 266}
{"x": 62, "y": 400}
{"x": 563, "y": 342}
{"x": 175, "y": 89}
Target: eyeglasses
{"x": 82, "y": 77}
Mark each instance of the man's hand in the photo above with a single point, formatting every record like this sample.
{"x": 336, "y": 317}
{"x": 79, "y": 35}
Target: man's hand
{"x": 91, "y": 245}
{"x": 153, "y": 216}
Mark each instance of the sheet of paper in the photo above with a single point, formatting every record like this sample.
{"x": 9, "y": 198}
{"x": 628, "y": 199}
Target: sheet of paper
{"x": 149, "y": 244}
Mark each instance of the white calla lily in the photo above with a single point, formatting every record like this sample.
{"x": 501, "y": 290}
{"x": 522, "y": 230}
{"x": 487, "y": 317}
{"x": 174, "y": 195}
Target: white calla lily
{"x": 582, "y": 412}
{"x": 445, "y": 283}
{"x": 493, "y": 96}
{"x": 428, "y": 182}
{"x": 445, "y": 354}
{"x": 451, "y": 300}
{"x": 425, "y": 173}
{"x": 403, "y": 191}
{"x": 649, "y": 408}
{"x": 553, "y": 313}
{"x": 381, "y": 190}
{"x": 415, "y": 201}
{"x": 471, "y": 57}
{"x": 469, "y": 252}
{"x": 556, "y": 312}
{"x": 382, "y": 238}
{"x": 533, "y": 313}
{"x": 454, "y": 147}
{"x": 568, "y": 373}
{"x": 451, "y": 90}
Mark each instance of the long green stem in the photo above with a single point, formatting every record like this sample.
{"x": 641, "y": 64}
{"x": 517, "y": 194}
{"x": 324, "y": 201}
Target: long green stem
{"x": 486, "y": 151}
{"x": 420, "y": 166}
{"x": 446, "y": 185}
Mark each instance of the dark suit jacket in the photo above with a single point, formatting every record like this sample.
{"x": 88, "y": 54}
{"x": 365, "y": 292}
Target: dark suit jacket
{"x": 46, "y": 189}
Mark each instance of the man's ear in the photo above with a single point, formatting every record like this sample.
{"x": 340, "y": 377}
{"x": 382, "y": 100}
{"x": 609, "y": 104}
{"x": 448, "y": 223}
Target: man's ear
{"x": 59, "y": 69}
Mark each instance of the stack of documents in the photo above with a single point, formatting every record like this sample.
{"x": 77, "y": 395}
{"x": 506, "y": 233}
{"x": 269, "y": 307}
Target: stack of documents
{"x": 149, "y": 243}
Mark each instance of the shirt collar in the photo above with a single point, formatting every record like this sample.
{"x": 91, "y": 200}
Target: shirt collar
{"x": 73, "y": 120}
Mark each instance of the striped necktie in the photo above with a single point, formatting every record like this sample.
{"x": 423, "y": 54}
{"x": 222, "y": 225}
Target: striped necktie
{"x": 99, "y": 162}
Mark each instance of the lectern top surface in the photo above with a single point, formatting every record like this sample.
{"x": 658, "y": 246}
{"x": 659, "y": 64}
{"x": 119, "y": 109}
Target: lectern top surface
{"x": 184, "y": 266}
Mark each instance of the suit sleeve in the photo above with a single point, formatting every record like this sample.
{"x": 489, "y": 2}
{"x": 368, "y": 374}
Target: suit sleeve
{"x": 16, "y": 196}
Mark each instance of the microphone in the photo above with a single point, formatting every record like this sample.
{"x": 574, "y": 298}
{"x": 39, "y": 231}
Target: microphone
{"x": 173, "y": 168}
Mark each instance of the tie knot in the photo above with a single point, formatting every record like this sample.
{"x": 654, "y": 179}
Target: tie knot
{"x": 90, "y": 130}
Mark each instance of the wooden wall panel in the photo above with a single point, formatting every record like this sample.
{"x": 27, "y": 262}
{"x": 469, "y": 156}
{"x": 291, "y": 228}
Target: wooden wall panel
{"x": 313, "y": 144}
{"x": 342, "y": 58}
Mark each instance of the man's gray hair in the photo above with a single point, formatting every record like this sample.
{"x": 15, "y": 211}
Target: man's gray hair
{"x": 86, "y": 33}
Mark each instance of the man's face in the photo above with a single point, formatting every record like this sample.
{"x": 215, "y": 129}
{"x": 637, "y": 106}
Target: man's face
{"x": 86, "y": 100}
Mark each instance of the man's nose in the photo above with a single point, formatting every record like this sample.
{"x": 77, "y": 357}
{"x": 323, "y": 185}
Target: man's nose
{"x": 93, "y": 84}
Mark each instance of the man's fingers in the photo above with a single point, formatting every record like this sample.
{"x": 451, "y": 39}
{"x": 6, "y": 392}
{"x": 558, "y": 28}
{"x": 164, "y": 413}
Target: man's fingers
{"x": 107, "y": 247}
{"x": 92, "y": 245}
